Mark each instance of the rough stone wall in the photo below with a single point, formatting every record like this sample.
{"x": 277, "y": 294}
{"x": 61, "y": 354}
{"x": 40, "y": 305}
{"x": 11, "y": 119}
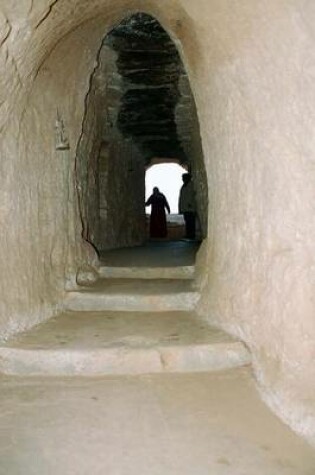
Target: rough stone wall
{"x": 40, "y": 244}
{"x": 260, "y": 280}
{"x": 189, "y": 132}
{"x": 200, "y": 180}
{"x": 122, "y": 195}
{"x": 110, "y": 187}
{"x": 121, "y": 170}
{"x": 149, "y": 65}
{"x": 109, "y": 169}
{"x": 251, "y": 68}
{"x": 88, "y": 150}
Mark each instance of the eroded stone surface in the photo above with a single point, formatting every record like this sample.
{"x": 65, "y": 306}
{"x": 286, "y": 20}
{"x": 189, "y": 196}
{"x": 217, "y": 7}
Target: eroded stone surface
{"x": 103, "y": 343}
{"x": 173, "y": 423}
{"x": 134, "y": 295}
{"x": 251, "y": 71}
{"x": 87, "y": 275}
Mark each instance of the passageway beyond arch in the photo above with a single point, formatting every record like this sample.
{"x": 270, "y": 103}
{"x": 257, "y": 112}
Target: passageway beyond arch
{"x": 168, "y": 178}
{"x": 140, "y": 105}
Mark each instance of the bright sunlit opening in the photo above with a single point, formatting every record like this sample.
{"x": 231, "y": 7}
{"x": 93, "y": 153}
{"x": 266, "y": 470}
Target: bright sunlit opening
{"x": 168, "y": 178}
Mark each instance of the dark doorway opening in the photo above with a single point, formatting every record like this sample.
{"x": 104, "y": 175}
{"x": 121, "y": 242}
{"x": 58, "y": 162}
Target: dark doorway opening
{"x": 139, "y": 107}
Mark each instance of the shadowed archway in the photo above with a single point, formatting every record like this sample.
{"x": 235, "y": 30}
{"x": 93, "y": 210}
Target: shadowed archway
{"x": 140, "y": 106}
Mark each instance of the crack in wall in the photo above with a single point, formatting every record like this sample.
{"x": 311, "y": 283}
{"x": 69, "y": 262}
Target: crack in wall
{"x": 78, "y": 184}
{"x": 8, "y": 32}
{"x": 30, "y": 8}
{"x": 46, "y": 15}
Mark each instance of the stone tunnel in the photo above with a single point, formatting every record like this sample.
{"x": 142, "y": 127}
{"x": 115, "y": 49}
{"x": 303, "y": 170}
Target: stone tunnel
{"x": 139, "y": 109}
{"x": 92, "y": 92}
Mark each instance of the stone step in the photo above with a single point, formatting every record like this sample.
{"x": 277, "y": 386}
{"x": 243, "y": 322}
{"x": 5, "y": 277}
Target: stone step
{"x": 115, "y": 343}
{"x": 134, "y": 295}
{"x": 180, "y": 272}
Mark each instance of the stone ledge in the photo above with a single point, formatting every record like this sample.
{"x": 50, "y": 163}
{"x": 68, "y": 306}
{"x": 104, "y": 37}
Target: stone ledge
{"x": 180, "y": 272}
{"x": 123, "y": 360}
{"x": 92, "y": 301}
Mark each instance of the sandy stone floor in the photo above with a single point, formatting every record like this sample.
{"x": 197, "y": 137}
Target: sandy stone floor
{"x": 104, "y": 343}
{"x": 86, "y": 330}
{"x": 193, "y": 424}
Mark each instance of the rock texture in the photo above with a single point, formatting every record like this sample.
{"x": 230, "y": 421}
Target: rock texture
{"x": 109, "y": 168}
{"x": 251, "y": 68}
{"x": 87, "y": 425}
{"x": 121, "y": 343}
{"x": 139, "y": 106}
{"x": 150, "y": 66}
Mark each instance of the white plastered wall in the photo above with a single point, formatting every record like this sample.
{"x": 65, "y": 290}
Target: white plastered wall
{"x": 251, "y": 68}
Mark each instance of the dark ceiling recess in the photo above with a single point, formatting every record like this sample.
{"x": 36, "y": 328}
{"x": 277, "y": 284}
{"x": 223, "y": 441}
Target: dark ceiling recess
{"x": 150, "y": 66}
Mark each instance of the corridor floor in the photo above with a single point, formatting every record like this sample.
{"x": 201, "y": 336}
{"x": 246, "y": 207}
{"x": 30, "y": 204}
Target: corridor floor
{"x": 127, "y": 380}
{"x": 154, "y": 254}
{"x": 192, "y": 424}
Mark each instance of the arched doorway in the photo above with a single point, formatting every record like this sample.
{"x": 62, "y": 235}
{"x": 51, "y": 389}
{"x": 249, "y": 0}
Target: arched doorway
{"x": 168, "y": 178}
{"x": 140, "y": 105}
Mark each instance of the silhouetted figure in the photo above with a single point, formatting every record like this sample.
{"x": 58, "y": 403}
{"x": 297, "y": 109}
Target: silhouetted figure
{"x": 158, "y": 203}
{"x": 187, "y": 205}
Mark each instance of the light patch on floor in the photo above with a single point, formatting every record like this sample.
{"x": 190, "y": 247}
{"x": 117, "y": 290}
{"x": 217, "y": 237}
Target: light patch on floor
{"x": 157, "y": 425}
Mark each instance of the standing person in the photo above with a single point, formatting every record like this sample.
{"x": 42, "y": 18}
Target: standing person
{"x": 158, "y": 202}
{"x": 187, "y": 205}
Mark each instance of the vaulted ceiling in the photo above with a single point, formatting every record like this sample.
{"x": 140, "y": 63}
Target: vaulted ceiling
{"x": 150, "y": 68}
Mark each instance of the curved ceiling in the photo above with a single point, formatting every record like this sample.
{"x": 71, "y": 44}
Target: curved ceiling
{"x": 150, "y": 66}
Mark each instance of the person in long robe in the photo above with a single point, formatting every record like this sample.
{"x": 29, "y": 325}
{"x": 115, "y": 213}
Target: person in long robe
{"x": 158, "y": 203}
